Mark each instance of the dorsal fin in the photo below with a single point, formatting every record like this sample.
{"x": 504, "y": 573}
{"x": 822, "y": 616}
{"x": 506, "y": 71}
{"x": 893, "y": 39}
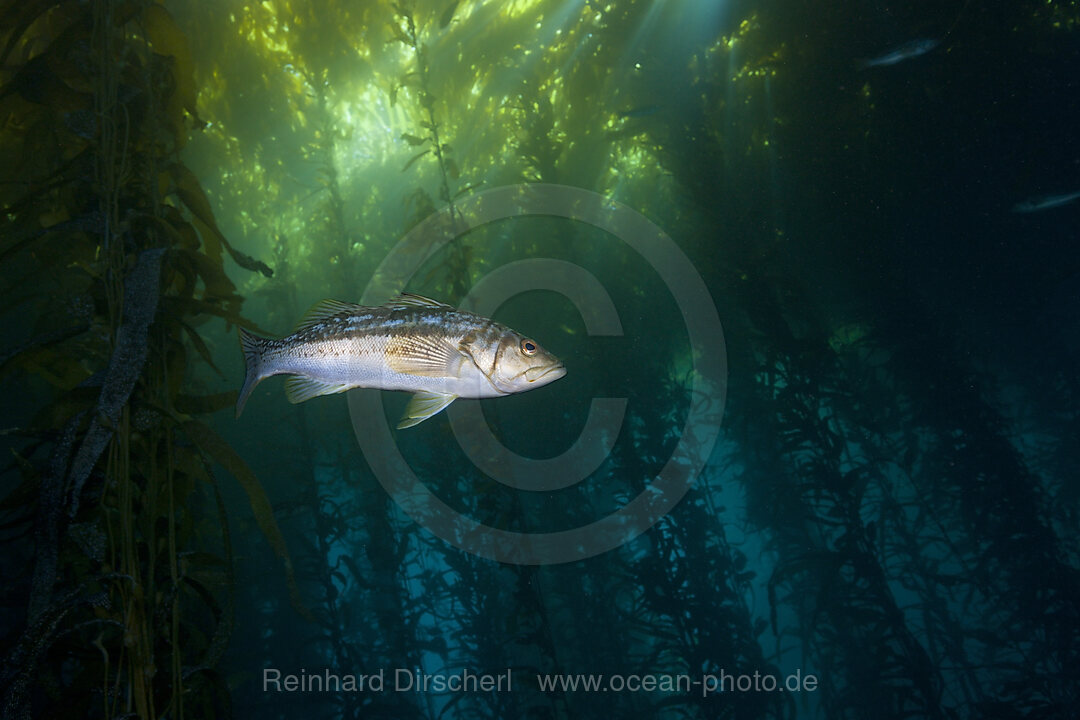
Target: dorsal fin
{"x": 324, "y": 309}
{"x": 409, "y": 300}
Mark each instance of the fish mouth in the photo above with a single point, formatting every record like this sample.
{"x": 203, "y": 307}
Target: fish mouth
{"x": 547, "y": 373}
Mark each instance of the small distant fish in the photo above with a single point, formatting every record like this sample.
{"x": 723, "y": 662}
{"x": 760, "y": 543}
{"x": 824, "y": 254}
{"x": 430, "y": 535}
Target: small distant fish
{"x": 411, "y": 343}
{"x": 640, "y": 111}
{"x": 907, "y": 51}
{"x": 1044, "y": 202}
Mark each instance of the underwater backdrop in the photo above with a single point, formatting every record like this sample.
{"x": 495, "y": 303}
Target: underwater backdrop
{"x": 812, "y": 269}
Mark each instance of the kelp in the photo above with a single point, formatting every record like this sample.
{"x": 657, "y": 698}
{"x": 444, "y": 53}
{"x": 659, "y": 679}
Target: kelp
{"x": 125, "y": 368}
{"x": 215, "y": 447}
{"x": 905, "y": 524}
{"x": 191, "y": 193}
{"x": 911, "y": 554}
{"x": 128, "y": 606}
{"x": 455, "y": 270}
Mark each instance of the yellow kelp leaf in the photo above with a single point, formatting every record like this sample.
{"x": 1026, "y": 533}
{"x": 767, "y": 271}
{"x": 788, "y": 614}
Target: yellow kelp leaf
{"x": 213, "y": 275}
{"x": 192, "y": 195}
{"x": 57, "y": 367}
{"x": 249, "y": 263}
{"x": 413, "y": 140}
{"x": 413, "y": 159}
{"x": 204, "y": 353}
{"x": 448, "y": 14}
{"x": 168, "y": 39}
{"x": 173, "y": 224}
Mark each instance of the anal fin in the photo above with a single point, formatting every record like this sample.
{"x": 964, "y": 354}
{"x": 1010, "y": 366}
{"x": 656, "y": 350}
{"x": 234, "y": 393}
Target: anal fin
{"x": 422, "y": 406}
{"x": 299, "y": 388}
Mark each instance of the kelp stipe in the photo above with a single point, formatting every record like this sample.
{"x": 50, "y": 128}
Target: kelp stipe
{"x": 114, "y": 250}
{"x": 455, "y": 279}
{"x": 831, "y": 571}
{"x": 992, "y": 509}
{"x": 907, "y": 527}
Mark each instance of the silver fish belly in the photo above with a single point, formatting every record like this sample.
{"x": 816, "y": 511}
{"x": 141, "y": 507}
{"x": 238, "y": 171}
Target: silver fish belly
{"x": 410, "y": 343}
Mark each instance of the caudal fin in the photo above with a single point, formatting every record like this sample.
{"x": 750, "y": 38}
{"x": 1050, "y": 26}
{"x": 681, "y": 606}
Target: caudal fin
{"x": 252, "y": 346}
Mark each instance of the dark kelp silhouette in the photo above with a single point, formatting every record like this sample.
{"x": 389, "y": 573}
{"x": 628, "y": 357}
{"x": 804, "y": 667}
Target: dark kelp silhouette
{"x": 126, "y": 581}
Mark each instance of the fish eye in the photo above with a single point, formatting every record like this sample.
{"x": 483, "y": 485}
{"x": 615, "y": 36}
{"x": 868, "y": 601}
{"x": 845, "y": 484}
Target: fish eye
{"x": 529, "y": 347}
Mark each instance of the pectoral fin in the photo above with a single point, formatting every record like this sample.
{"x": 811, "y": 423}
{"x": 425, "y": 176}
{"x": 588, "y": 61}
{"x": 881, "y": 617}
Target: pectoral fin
{"x": 422, "y": 406}
{"x": 423, "y": 355}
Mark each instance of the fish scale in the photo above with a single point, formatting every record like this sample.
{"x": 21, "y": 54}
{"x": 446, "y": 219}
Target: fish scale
{"x": 411, "y": 343}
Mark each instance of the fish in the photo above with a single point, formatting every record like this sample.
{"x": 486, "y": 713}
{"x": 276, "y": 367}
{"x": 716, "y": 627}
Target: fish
{"x": 1044, "y": 202}
{"x": 410, "y": 343}
{"x": 907, "y": 51}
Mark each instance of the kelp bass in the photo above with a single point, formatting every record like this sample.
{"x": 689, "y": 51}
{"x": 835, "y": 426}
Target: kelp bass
{"x": 411, "y": 343}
